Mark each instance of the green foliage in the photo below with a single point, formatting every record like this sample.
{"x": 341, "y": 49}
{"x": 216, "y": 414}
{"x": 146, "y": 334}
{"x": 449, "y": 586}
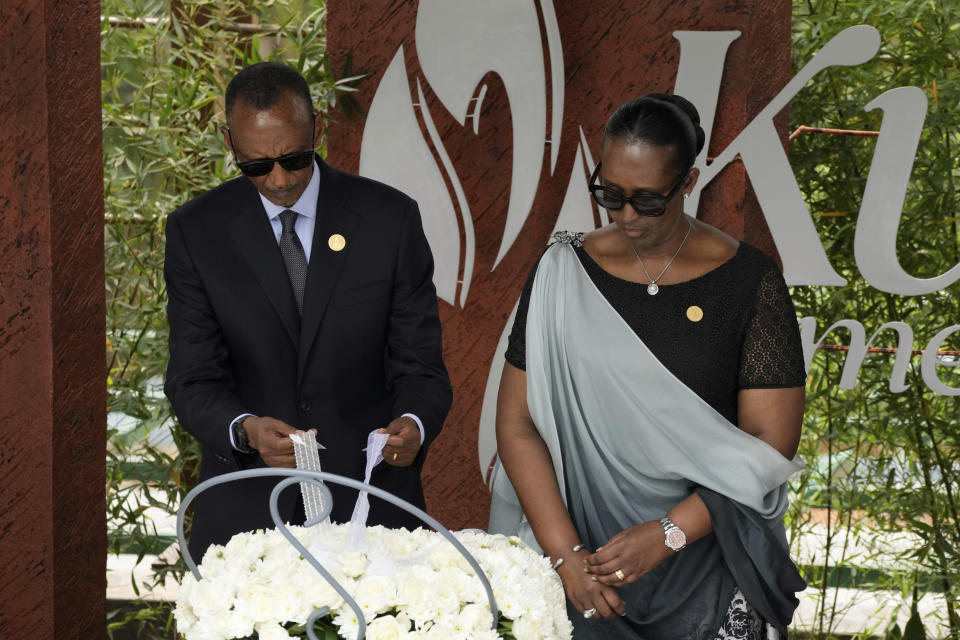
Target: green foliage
{"x": 881, "y": 462}
{"x": 165, "y": 66}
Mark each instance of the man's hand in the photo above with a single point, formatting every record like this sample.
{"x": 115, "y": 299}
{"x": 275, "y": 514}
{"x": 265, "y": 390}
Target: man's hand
{"x": 404, "y": 443}
{"x": 271, "y": 438}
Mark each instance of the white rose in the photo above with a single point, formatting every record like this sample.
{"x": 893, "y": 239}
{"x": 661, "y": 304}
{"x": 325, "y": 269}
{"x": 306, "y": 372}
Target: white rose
{"x": 213, "y": 555}
{"x": 473, "y": 617}
{"x": 447, "y": 556}
{"x": 214, "y": 564}
{"x": 376, "y": 594}
{"x": 239, "y": 624}
{"x": 353, "y": 563}
{"x": 441, "y": 631}
{"x": 260, "y": 603}
{"x": 184, "y": 616}
{"x": 244, "y": 548}
{"x": 272, "y": 631}
{"x": 417, "y": 600}
{"x": 300, "y": 606}
{"x": 388, "y": 628}
{"x": 210, "y": 597}
{"x": 465, "y": 586}
{"x": 211, "y": 627}
{"x": 527, "y": 628}
{"x": 274, "y": 541}
{"x": 401, "y": 543}
{"x": 445, "y": 604}
{"x": 320, "y": 593}
{"x": 288, "y": 603}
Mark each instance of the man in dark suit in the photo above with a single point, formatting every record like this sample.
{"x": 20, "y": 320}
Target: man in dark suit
{"x": 300, "y": 297}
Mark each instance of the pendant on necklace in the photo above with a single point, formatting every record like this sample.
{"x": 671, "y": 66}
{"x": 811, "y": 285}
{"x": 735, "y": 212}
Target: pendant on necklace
{"x": 653, "y": 289}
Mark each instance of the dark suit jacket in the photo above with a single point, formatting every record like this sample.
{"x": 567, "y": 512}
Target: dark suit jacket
{"x": 366, "y": 350}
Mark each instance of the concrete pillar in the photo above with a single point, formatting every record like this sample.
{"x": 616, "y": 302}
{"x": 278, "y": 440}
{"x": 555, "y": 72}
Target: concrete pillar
{"x": 52, "y": 322}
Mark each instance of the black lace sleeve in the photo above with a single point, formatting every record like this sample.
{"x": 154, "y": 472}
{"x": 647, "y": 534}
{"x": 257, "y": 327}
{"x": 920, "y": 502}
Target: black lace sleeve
{"x": 772, "y": 354}
{"x": 517, "y": 344}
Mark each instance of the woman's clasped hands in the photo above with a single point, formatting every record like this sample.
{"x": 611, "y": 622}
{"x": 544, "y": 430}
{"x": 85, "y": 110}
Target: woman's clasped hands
{"x": 590, "y": 597}
{"x": 628, "y": 556}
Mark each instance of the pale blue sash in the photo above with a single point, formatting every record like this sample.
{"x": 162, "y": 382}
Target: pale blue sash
{"x": 626, "y": 437}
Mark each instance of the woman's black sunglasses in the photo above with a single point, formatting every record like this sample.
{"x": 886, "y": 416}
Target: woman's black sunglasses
{"x": 650, "y": 206}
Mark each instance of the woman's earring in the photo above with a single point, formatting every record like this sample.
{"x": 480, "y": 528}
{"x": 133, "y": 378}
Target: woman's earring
{"x": 686, "y": 196}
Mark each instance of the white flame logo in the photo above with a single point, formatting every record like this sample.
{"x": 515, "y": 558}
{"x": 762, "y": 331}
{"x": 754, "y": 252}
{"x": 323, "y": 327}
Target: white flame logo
{"x": 458, "y": 42}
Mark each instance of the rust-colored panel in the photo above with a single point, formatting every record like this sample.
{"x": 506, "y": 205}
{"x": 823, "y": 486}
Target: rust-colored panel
{"x": 612, "y": 51}
{"x": 52, "y": 362}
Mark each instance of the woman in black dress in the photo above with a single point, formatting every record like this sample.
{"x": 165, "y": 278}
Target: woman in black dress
{"x": 650, "y": 408}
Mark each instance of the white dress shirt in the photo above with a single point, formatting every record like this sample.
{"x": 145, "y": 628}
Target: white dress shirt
{"x": 306, "y": 206}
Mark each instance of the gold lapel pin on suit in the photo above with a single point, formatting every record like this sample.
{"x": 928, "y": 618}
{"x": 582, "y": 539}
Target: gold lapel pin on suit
{"x": 336, "y": 242}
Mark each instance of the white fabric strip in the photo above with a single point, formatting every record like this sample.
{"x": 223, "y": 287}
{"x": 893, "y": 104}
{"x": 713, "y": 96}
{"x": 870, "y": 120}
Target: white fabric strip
{"x": 376, "y": 441}
{"x": 307, "y": 454}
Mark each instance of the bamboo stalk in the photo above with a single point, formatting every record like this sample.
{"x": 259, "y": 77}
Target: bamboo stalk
{"x": 142, "y": 23}
{"x": 836, "y": 132}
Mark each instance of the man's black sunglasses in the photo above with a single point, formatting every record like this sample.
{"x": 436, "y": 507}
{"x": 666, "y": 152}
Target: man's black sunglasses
{"x": 263, "y": 166}
{"x": 650, "y": 205}
{"x": 290, "y": 162}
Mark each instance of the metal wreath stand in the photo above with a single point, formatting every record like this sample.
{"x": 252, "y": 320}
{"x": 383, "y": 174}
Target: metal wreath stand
{"x": 294, "y": 476}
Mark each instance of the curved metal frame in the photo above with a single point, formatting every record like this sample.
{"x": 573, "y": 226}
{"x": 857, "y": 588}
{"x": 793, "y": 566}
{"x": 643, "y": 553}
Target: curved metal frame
{"x": 294, "y": 476}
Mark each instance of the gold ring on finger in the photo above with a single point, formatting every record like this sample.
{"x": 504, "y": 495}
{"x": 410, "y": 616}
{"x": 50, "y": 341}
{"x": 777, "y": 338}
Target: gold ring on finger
{"x": 620, "y": 575}
{"x": 394, "y": 457}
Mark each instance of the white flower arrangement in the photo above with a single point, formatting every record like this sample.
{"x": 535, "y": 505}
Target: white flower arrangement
{"x": 410, "y": 585}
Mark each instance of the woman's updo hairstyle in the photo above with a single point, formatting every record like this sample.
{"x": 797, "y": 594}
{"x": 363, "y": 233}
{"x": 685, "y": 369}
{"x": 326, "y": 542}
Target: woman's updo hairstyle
{"x": 660, "y": 120}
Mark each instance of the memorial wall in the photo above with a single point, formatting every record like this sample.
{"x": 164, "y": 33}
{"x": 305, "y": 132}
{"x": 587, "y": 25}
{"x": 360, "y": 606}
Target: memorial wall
{"x": 490, "y": 115}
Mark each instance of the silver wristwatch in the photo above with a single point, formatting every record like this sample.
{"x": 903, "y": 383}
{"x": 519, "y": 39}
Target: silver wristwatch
{"x": 674, "y": 537}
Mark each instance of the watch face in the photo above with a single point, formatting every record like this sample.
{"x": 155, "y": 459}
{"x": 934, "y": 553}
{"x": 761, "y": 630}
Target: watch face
{"x": 676, "y": 539}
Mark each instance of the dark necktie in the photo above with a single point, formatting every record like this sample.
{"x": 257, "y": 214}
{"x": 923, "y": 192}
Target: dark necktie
{"x": 293, "y": 256}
